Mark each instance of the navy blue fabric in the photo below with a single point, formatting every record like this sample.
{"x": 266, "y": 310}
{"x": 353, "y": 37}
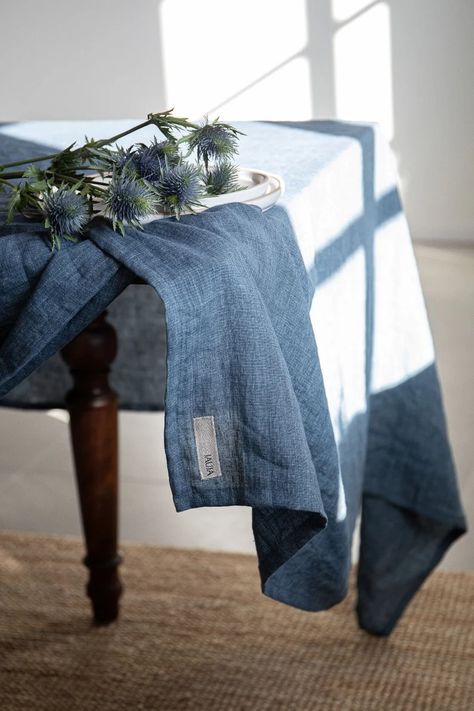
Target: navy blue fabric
{"x": 242, "y": 349}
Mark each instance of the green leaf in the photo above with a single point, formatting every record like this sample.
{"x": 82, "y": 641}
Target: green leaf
{"x": 39, "y": 185}
{"x": 13, "y": 206}
{"x": 32, "y": 172}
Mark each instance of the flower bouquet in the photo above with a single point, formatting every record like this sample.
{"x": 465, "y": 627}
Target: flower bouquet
{"x": 190, "y": 163}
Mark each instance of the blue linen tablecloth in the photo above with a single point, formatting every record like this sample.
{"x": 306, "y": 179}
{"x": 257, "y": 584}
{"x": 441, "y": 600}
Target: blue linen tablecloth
{"x": 301, "y": 378}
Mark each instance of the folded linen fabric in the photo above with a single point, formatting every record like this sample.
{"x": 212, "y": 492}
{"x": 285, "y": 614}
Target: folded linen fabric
{"x": 255, "y": 415}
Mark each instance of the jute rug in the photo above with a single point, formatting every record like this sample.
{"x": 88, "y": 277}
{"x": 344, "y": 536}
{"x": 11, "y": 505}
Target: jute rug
{"x": 196, "y": 633}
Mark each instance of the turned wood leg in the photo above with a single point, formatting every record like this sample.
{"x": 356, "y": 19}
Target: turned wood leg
{"x": 93, "y": 408}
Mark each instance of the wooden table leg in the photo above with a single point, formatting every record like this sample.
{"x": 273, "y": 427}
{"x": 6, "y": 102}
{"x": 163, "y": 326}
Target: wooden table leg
{"x": 93, "y": 408}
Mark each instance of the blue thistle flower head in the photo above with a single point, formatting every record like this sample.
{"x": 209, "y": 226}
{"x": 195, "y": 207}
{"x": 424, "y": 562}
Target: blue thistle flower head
{"x": 129, "y": 200}
{"x": 66, "y": 213}
{"x": 122, "y": 158}
{"x": 222, "y": 178}
{"x": 167, "y": 151}
{"x": 149, "y": 161}
{"x": 179, "y": 188}
{"x": 214, "y": 141}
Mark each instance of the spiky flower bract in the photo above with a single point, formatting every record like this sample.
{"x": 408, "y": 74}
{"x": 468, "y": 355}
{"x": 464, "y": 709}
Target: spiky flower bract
{"x": 66, "y": 214}
{"x": 180, "y": 188}
{"x": 214, "y": 141}
{"x": 150, "y": 161}
{"x": 148, "y": 164}
{"x": 122, "y": 158}
{"x": 129, "y": 201}
{"x": 222, "y": 178}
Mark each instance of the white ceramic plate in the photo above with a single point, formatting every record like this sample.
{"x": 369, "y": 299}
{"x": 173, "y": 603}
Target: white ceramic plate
{"x": 276, "y": 188}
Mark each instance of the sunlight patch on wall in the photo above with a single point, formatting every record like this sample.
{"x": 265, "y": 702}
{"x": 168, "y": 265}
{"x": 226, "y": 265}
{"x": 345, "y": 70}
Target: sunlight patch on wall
{"x": 284, "y": 94}
{"x": 241, "y": 60}
{"x": 363, "y": 69}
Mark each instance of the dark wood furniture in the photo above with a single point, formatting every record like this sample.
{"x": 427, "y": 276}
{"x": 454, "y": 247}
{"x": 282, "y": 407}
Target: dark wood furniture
{"x": 93, "y": 408}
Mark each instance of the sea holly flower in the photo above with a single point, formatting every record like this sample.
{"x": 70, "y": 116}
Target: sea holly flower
{"x": 214, "y": 141}
{"x": 148, "y": 164}
{"x": 122, "y": 158}
{"x": 180, "y": 188}
{"x": 66, "y": 213}
{"x": 222, "y": 178}
{"x": 169, "y": 151}
{"x": 129, "y": 201}
{"x": 150, "y": 161}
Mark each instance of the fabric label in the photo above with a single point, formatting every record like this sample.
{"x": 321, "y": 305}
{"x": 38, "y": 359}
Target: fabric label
{"x": 206, "y": 447}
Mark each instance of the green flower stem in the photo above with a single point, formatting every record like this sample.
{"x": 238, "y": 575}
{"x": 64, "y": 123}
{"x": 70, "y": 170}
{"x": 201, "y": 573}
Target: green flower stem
{"x": 164, "y": 118}
{"x": 97, "y": 192}
{"x": 7, "y": 182}
{"x": 11, "y": 176}
{"x": 28, "y": 160}
{"x": 107, "y": 141}
{"x": 95, "y": 182}
{"x": 6, "y": 177}
{"x": 87, "y": 167}
{"x": 61, "y": 176}
{"x": 74, "y": 179}
{"x": 34, "y": 202}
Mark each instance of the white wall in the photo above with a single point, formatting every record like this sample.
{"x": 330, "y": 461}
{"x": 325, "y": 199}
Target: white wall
{"x": 405, "y": 63}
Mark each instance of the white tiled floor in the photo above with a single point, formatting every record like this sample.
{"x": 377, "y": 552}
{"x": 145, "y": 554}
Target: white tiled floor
{"x": 37, "y": 490}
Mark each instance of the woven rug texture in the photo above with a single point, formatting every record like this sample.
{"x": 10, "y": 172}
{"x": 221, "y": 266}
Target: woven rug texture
{"x": 196, "y": 634}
